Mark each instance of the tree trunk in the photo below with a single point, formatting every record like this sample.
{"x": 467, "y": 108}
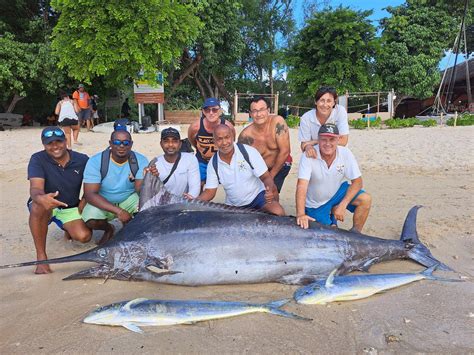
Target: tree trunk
{"x": 199, "y": 84}
{"x": 186, "y": 73}
{"x": 13, "y": 103}
{"x": 220, "y": 84}
{"x": 208, "y": 85}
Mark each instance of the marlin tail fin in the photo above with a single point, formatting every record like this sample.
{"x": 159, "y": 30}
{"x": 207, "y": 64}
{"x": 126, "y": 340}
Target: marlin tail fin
{"x": 417, "y": 250}
{"x": 428, "y": 274}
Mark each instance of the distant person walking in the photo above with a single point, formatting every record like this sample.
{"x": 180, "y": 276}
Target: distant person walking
{"x": 126, "y": 109}
{"x": 83, "y": 99}
{"x": 67, "y": 110}
{"x": 95, "y": 110}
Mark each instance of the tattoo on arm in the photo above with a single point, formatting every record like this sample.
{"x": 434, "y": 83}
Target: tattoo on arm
{"x": 280, "y": 128}
{"x": 246, "y": 140}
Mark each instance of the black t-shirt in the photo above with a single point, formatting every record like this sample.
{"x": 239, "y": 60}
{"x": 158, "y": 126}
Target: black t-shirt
{"x": 67, "y": 180}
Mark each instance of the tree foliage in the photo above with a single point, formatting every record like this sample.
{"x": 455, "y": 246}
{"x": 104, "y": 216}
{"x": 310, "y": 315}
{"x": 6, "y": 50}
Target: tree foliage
{"x": 413, "y": 42}
{"x": 118, "y": 39}
{"x": 26, "y": 60}
{"x": 336, "y": 47}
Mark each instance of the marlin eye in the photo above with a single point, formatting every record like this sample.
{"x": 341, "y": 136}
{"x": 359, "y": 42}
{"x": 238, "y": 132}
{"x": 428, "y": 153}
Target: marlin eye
{"x": 102, "y": 253}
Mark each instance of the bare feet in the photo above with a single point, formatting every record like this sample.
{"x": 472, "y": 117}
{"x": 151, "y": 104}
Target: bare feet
{"x": 108, "y": 235}
{"x": 43, "y": 269}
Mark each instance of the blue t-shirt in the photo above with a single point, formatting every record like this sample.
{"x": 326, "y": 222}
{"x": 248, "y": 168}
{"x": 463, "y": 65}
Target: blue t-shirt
{"x": 116, "y": 186}
{"x": 67, "y": 180}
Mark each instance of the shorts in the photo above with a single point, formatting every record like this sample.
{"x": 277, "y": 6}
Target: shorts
{"x": 69, "y": 122}
{"x": 281, "y": 176}
{"x": 258, "y": 202}
{"x": 61, "y": 216}
{"x": 91, "y": 212}
{"x": 203, "y": 170}
{"x": 84, "y": 114}
{"x": 323, "y": 215}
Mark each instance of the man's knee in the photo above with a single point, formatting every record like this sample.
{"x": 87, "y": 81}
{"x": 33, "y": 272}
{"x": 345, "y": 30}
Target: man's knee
{"x": 364, "y": 200}
{"x": 83, "y": 235}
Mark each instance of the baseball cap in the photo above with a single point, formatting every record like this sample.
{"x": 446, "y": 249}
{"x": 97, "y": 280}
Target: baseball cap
{"x": 328, "y": 129}
{"x": 80, "y": 85}
{"x": 170, "y": 132}
{"x": 212, "y": 101}
{"x": 51, "y": 134}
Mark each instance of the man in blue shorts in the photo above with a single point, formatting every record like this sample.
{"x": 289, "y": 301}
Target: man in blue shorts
{"x": 242, "y": 172}
{"x": 55, "y": 175}
{"x": 112, "y": 180}
{"x": 323, "y": 192}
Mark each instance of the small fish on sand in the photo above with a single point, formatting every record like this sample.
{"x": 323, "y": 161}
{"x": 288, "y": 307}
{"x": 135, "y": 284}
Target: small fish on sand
{"x": 354, "y": 287}
{"x": 144, "y": 312}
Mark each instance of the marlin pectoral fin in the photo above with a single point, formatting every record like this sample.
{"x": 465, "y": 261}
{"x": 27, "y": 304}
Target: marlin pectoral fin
{"x": 160, "y": 271}
{"x": 128, "y": 305}
{"x": 132, "y": 327}
{"x": 330, "y": 279}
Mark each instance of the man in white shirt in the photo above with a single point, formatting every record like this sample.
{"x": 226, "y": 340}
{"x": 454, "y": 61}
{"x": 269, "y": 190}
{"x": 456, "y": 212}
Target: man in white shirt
{"x": 323, "y": 192}
{"x": 242, "y": 172}
{"x": 178, "y": 171}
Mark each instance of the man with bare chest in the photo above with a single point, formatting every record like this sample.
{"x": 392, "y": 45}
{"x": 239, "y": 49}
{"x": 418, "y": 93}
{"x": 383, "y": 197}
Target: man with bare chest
{"x": 269, "y": 134}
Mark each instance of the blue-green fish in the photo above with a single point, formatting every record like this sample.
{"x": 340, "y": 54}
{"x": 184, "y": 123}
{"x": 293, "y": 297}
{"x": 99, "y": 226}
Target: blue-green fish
{"x": 144, "y": 312}
{"x": 354, "y": 287}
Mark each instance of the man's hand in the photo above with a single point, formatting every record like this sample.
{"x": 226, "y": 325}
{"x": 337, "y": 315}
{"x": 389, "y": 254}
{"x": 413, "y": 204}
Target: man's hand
{"x": 82, "y": 204}
{"x": 124, "y": 216}
{"x": 310, "y": 151}
{"x": 270, "y": 194}
{"x": 188, "y": 196}
{"x": 303, "y": 221}
{"x": 151, "y": 169}
{"x": 49, "y": 202}
{"x": 339, "y": 211}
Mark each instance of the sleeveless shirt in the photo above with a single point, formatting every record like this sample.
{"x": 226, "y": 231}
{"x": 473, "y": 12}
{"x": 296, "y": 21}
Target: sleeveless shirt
{"x": 67, "y": 111}
{"x": 205, "y": 147}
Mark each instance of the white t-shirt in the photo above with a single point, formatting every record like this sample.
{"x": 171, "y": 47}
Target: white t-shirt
{"x": 67, "y": 111}
{"x": 185, "y": 178}
{"x": 240, "y": 182}
{"x": 309, "y": 124}
{"x": 323, "y": 181}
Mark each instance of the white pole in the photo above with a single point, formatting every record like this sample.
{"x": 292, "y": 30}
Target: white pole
{"x": 139, "y": 114}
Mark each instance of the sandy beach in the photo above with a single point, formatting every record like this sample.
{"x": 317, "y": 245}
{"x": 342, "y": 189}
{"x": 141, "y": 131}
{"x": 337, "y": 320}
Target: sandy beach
{"x": 432, "y": 167}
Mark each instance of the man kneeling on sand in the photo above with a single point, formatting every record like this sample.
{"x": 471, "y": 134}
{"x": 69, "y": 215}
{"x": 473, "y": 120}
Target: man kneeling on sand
{"x": 55, "y": 175}
{"x": 323, "y": 192}
{"x": 112, "y": 180}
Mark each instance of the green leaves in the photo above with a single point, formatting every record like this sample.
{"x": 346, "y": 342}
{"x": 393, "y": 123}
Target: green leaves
{"x": 117, "y": 39}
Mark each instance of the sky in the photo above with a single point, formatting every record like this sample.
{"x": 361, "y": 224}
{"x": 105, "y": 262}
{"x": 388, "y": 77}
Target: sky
{"x": 378, "y": 13}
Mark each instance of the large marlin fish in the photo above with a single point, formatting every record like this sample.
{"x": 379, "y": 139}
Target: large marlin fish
{"x": 182, "y": 242}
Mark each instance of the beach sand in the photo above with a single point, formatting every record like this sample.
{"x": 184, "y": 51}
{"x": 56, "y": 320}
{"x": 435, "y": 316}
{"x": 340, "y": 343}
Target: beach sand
{"x": 432, "y": 167}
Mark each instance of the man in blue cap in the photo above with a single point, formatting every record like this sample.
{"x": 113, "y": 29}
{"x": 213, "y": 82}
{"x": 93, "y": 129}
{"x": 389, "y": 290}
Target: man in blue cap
{"x": 200, "y": 133}
{"x": 55, "y": 175}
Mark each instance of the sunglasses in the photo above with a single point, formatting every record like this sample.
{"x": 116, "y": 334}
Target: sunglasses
{"x": 125, "y": 142}
{"x": 56, "y": 132}
{"x": 211, "y": 109}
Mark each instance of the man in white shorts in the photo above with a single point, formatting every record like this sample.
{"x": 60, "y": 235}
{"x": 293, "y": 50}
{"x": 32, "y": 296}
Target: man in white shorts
{"x": 178, "y": 171}
{"x": 242, "y": 172}
{"x": 323, "y": 193}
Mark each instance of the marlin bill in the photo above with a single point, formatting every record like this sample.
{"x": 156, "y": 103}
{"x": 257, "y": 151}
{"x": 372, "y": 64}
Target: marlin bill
{"x": 143, "y": 312}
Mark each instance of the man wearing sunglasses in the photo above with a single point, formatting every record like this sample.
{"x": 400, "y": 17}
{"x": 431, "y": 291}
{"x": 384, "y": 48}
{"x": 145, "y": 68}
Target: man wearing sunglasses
{"x": 55, "y": 175}
{"x": 200, "y": 133}
{"x": 269, "y": 134}
{"x": 114, "y": 195}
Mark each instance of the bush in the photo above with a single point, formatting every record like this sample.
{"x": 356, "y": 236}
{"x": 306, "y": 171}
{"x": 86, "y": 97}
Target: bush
{"x": 463, "y": 120}
{"x": 293, "y": 121}
{"x": 402, "y": 122}
{"x": 361, "y": 123}
{"x": 429, "y": 123}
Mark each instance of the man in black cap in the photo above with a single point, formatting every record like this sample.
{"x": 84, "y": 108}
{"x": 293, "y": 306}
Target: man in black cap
{"x": 323, "y": 192}
{"x": 55, "y": 175}
{"x": 200, "y": 133}
{"x": 178, "y": 171}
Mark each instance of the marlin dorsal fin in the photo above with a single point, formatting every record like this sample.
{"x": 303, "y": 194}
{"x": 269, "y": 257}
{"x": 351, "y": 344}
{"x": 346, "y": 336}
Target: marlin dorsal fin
{"x": 129, "y": 304}
{"x": 330, "y": 279}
